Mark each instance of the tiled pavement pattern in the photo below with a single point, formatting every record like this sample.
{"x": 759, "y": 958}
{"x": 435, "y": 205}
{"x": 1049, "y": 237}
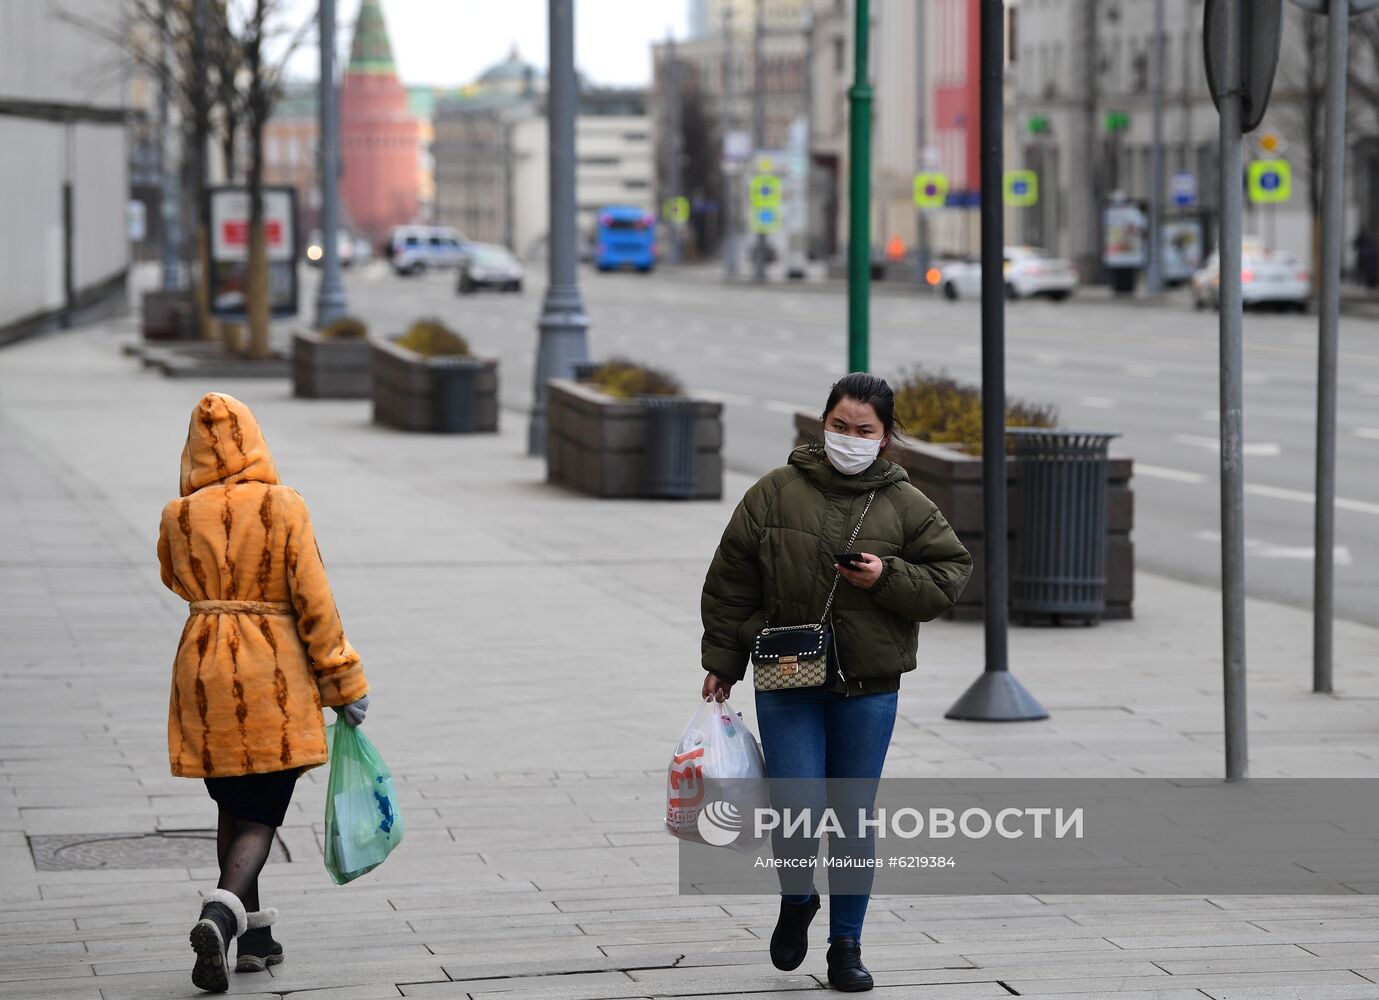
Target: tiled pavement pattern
{"x": 533, "y": 656}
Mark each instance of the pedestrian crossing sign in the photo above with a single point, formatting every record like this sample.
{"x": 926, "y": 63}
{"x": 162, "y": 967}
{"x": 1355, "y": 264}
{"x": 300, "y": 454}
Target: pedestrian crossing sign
{"x": 766, "y": 220}
{"x": 677, "y": 209}
{"x": 1270, "y": 181}
{"x": 766, "y": 191}
{"x": 1022, "y": 188}
{"x": 931, "y": 190}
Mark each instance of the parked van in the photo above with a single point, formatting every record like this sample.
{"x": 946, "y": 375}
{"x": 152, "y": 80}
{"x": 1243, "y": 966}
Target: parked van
{"x": 414, "y": 249}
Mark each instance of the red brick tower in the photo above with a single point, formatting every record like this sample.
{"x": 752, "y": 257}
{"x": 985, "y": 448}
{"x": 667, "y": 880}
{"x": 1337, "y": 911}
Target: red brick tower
{"x": 378, "y": 135}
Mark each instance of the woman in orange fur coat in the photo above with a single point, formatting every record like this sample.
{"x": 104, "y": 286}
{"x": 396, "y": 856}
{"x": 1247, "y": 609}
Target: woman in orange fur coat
{"x": 261, "y": 653}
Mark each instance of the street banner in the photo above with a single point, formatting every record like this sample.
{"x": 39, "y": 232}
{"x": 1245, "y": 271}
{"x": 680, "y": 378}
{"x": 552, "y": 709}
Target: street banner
{"x": 1181, "y": 240}
{"x": 229, "y": 214}
{"x": 1124, "y": 232}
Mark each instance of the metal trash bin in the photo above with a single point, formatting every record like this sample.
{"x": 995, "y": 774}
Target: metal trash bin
{"x": 452, "y": 393}
{"x": 1059, "y": 559}
{"x": 670, "y": 451}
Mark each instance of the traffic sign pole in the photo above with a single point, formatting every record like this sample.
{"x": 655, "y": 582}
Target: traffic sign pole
{"x": 1333, "y": 193}
{"x": 1229, "y": 76}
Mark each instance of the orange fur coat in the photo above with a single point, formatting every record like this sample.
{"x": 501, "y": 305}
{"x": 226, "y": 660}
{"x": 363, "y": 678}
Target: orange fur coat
{"x": 249, "y": 679}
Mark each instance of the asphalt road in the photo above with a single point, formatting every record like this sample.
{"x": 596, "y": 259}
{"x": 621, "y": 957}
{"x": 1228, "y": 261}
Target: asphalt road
{"x": 1149, "y": 372}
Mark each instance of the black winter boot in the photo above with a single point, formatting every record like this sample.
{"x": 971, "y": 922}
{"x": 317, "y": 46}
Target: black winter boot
{"x": 790, "y": 939}
{"x": 222, "y": 920}
{"x": 256, "y": 949}
{"x": 845, "y": 969}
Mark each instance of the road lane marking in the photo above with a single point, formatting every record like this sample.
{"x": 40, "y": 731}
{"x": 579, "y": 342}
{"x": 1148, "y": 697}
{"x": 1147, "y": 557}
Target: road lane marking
{"x": 1173, "y": 475}
{"x": 1303, "y": 496}
{"x": 727, "y": 398}
{"x": 1368, "y": 433}
{"x": 781, "y": 406}
{"x": 1262, "y": 449}
{"x": 1268, "y": 550}
{"x": 1098, "y": 403}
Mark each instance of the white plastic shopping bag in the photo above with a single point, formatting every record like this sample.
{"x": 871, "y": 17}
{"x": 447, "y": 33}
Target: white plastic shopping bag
{"x": 716, "y": 781}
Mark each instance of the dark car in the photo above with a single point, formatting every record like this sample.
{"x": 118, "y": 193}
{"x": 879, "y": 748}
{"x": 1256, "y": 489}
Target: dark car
{"x": 489, "y": 266}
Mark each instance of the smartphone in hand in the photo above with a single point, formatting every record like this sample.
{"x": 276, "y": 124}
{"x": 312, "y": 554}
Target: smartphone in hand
{"x": 852, "y": 560}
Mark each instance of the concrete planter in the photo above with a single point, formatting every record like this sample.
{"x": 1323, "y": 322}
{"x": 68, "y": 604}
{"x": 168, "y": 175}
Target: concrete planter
{"x": 330, "y": 367}
{"x": 446, "y": 395}
{"x": 953, "y": 480}
{"x": 169, "y": 315}
{"x": 600, "y": 445}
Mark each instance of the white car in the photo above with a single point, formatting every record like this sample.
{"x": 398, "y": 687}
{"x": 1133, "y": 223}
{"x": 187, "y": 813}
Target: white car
{"x": 1267, "y": 277}
{"x": 416, "y": 249}
{"x": 1028, "y": 271}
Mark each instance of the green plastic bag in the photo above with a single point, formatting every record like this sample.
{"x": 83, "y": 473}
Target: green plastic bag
{"x": 363, "y": 821}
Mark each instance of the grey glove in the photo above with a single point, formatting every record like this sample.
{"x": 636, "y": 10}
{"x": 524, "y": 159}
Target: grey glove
{"x": 353, "y": 713}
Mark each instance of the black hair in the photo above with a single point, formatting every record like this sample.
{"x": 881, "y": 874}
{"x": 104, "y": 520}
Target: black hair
{"x": 865, "y": 388}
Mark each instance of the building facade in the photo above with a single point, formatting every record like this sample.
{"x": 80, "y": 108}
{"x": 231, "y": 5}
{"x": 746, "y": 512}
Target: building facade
{"x": 492, "y": 156}
{"x": 378, "y": 134}
{"x": 64, "y": 192}
{"x": 1084, "y": 111}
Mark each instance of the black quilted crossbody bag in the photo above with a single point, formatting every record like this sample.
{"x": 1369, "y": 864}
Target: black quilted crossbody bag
{"x": 796, "y": 656}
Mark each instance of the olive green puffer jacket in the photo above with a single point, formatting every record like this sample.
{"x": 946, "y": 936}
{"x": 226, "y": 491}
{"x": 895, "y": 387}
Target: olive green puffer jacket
{"x": 775, "y": 563}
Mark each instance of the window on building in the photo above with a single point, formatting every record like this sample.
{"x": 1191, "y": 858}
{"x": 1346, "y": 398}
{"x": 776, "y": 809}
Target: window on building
{"x": 599, "y": 161}
{"x": 633, "y": 184}
{"x": 840, "y": 55}
{"x": 635, "y": 136}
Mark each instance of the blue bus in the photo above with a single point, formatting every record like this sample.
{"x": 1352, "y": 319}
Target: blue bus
{"x": 626, "y": 238}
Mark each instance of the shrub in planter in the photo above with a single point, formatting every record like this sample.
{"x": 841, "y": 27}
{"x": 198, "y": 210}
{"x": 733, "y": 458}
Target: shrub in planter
{"x": 429, "y": 380}
{"x": 941, "y": 452}
{"x": 332, "y": 362}
{"x": 942, "y": 410}
{"x": 625, "y": 430}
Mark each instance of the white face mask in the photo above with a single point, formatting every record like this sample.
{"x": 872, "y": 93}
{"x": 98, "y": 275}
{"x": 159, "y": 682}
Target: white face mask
{"x": 851, "y": 455}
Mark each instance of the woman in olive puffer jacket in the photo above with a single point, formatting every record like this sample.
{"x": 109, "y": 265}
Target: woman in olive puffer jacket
{"x": 776, "y": 563}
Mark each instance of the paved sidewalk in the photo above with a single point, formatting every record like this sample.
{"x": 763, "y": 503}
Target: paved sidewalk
{"x": 534, "y": 656}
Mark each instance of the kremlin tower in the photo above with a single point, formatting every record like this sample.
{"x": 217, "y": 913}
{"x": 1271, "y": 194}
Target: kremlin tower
{"x": 378, "y": 134}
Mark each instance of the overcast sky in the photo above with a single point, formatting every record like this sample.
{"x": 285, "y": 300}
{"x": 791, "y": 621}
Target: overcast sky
{"x": 450, "y": 42}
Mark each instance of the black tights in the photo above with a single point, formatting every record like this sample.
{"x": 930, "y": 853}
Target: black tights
{"x": 242, "y": 847}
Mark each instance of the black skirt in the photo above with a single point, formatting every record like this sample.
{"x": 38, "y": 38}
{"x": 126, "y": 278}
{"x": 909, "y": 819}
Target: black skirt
{"x": 256, "y": 798}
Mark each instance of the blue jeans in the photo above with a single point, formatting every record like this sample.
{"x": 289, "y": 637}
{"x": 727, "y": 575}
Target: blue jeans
{"x": 816, "y": 734}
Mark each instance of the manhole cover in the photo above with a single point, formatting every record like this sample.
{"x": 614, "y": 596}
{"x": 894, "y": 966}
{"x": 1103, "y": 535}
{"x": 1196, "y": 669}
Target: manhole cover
{"x": 166, "y": 849}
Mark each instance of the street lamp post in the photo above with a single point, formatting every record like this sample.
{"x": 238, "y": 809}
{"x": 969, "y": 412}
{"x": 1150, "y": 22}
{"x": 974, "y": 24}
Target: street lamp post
{"x": 859, "y": 197}
{"x": 564, "y": 327}
{"x": 330, "y": 297}
{"x": 995, "y": 696}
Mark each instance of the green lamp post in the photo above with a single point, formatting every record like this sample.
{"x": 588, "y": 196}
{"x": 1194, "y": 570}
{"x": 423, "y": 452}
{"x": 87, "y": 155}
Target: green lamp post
{"x": 859, "y": 198}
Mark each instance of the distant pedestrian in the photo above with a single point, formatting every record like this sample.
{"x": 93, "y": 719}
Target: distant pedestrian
{"x": 774, "y": 567}
{"x": 1367, "y": 259}
{"x": 262, "y": 651}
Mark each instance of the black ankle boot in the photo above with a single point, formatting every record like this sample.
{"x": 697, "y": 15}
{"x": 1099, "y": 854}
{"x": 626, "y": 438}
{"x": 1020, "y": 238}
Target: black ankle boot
{"x": 790, "y": 940}
{"x": 256, "y": 949}
{"x": 222, "y": 920}
{"x": 845, "y": 969}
